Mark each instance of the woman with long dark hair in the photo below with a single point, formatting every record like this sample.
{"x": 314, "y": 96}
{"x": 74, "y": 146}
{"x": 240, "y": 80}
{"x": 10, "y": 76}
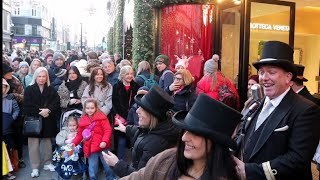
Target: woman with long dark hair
{"x": 99, "y": 89}
{"x": 71, "y": 91}
{"x": 203, "y": 150}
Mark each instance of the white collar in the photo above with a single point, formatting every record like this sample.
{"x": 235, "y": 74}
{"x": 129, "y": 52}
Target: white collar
{"x": 299, "y": 89}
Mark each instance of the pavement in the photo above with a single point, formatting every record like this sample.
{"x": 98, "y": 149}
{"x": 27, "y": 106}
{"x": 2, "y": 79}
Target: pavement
{"x": 24, "y": 173}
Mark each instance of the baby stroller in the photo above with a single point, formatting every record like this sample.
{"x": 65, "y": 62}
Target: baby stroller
{"x": 69, "y": 161}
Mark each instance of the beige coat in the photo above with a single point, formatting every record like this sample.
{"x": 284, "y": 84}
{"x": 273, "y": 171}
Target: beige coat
{"x": 102, "y": 95}
{"x": 157, "y": 167}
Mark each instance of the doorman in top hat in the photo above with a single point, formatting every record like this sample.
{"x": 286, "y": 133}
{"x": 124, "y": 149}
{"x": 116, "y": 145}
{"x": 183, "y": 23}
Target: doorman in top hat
{"x": 282, "y": 144}
{"x": 298, "y": 87}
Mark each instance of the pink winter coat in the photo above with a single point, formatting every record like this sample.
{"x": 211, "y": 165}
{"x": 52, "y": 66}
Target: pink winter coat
{"x": 101, "y": 132}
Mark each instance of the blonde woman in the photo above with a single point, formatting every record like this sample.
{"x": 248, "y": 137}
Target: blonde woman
{"x": 46, "y": 104}
{"x": 35, "y": 64}
{"x": 122, "y": 99}
{"x": 183, "y": 91}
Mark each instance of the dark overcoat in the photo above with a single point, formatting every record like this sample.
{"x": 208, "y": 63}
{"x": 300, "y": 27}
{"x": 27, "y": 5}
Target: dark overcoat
{"x": 288, "y": 139}
{"x": 49, "y": 98}
{"x": 305, "y": 93}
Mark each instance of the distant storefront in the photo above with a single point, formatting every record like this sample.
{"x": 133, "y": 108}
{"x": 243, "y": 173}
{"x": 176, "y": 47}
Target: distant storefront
{"x": 24, "y": 42}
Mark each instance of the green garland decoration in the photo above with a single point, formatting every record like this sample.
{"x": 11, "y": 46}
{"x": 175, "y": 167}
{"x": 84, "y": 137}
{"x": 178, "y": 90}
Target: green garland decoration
{"x": 114, "y": 37}
{"x": 110, "y": 42}
{"x": 119, "y": 28}
{"x": 143, "y": 32}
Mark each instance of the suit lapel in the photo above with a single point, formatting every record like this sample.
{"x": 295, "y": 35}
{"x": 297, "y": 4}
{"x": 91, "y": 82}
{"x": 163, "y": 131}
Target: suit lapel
{"x": 273, "y": 121}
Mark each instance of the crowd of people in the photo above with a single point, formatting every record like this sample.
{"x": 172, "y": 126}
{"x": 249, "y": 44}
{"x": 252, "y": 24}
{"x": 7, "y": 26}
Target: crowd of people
{"x": 176, "y": 129}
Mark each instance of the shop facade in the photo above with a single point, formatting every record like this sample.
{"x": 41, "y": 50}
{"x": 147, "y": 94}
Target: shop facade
{"x": 236, "y": 30}
{"x": 25, "y": 42}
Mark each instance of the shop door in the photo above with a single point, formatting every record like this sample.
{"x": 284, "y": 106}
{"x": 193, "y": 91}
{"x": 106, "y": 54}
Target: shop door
{"x": 264, "y": 20}
{"x": 228, "y": 44}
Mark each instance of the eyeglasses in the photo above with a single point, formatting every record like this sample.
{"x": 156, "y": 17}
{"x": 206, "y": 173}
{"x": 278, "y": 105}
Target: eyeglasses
{"x": 177, "y": 79}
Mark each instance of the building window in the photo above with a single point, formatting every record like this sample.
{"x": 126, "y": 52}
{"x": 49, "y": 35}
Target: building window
{"x": 186, "y": 30}
{"x": 5, "y": 20}
{"x": 16, "y": 11}
{"x": 18, "y": 29}
{"x": 34, "y": 30}
{"x": 33, "y": 12}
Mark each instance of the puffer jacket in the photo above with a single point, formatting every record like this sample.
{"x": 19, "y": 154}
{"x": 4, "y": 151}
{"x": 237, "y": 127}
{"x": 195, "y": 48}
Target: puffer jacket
{"x": 10, "y": 112}
{"x": 146, "y": 144}
{"x": 101, "y": 132}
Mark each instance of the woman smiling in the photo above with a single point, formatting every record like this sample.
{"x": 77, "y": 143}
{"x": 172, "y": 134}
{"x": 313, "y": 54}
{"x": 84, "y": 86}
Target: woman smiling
{"x": 203, "y": 150}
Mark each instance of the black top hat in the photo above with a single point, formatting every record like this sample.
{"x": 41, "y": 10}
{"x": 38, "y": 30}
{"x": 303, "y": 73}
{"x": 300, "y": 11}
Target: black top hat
{"x": 279, "y": 54}
{"x": 300, "y": 70}
{"x": 157, "y": 102}
{"x": 211, "y": 119}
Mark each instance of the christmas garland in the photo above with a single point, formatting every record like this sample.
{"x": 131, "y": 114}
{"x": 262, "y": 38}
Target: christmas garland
{"x": 119, "y": 28}
{"x": 143, "y": 32}
{"x": 110, "y": 41}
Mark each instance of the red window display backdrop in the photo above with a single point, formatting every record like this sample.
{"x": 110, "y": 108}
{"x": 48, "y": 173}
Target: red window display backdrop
{"x": 187, "y": 30}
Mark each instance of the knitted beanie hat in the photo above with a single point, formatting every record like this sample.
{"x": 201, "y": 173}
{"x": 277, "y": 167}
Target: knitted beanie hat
{"x": 212, "y": 64}
{"x": 163, "y": 58}
{"x": 48, "y": 55}
{"x": 58, "y": 55}
{"x": 23, "y": 63}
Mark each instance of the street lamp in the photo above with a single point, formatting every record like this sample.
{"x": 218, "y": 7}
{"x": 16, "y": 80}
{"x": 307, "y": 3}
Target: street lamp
{"x": 81, "y": 38}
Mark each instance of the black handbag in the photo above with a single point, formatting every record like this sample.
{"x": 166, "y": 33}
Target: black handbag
{"x": 32, "y": 126}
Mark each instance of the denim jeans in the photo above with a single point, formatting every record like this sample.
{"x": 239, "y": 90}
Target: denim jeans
{"x": 121, "y": 148}
{"x": 93, "y": 162}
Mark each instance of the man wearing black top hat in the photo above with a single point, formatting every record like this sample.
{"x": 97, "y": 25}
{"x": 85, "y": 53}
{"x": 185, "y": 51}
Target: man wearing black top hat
{"x": 283, "y": 134}
{"x": 298, "y": 87}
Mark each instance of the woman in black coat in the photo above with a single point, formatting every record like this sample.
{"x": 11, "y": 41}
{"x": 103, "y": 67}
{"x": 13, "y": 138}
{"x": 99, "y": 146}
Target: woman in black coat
{"x": 122, "y": 99}
{"x": 154, "y": 134}
{"x": 40, "y": 99}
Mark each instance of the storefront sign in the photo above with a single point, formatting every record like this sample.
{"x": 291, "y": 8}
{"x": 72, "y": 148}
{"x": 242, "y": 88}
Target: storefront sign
{"x": 273, "y": 27}
{"x": 36, "y": 40}
{"x": 19, "y": 40}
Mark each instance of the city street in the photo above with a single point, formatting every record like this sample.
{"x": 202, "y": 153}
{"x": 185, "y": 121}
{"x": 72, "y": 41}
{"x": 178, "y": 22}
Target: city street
{"x": 24, "y": 173}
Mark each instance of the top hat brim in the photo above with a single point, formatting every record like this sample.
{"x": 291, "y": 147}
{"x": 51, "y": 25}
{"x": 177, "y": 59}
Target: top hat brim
{"x": 146, "y": 106}
{"x": 282, "y": 63}
{"x": 179, "y": 120}
{"x": 301, "y": 78}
